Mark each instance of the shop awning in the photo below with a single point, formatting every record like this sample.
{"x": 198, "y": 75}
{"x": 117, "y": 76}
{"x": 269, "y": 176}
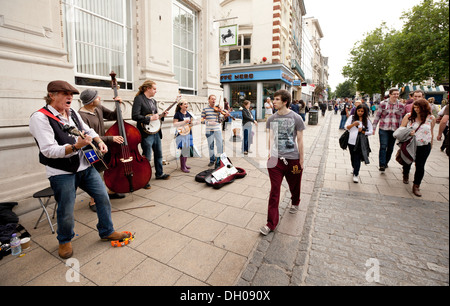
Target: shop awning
{"x": 426, "y": 89}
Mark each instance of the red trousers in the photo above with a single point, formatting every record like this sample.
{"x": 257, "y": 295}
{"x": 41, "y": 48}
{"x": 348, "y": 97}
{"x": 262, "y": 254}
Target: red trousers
{"x": 277, "y": 171}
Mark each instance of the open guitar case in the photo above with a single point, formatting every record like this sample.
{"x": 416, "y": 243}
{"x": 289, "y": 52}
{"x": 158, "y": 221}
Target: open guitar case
{"x": 224, "y": 173}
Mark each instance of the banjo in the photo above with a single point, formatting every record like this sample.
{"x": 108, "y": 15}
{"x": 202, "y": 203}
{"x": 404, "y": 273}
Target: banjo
{"x": 155, "y": 126}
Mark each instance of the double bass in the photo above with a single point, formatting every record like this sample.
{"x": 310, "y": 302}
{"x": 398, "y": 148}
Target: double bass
{"x": 128, "y": 170}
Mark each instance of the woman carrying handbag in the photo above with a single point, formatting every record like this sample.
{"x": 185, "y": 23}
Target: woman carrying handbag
{"x": 359, "y": 127}
{"x": 422, "y": 122}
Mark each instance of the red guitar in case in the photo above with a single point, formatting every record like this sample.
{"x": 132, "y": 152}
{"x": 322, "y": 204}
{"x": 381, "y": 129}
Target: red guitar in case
{"x": 225, "y": 174}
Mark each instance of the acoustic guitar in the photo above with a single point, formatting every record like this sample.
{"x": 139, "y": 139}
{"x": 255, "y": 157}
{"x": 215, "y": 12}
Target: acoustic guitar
{"x": 92, "y": 154}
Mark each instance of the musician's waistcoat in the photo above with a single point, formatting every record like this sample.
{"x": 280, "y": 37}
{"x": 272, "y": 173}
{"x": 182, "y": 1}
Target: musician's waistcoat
{"x": 63, "y": 138}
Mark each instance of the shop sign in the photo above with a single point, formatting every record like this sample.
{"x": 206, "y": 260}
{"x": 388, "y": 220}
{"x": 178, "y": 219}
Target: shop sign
{"x": 257, "y": 76}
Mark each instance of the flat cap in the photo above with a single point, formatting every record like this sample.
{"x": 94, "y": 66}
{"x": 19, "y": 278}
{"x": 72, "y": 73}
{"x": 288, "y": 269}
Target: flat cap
{"x": 61, "y": 86}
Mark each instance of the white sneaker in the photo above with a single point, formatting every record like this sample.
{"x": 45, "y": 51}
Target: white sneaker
{"x": 265, "y": 230}
{"x": 293, "y": 210}
{"x": 355, "y": 179}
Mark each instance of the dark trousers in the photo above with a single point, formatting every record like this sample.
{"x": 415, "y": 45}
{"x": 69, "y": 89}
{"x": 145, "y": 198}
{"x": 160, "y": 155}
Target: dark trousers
{"x": 422, "y": 155}
{"x": 387, "y": 143}
{"x": 356, "y": 158}
{"x": 277, "y": 171}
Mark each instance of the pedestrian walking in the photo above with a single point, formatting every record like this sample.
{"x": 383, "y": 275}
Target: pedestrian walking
{"x": 302, "y": 110}
{"x": 422, "y": 123}
{"x": 247, "y": 121}
{"x": 389, "y": 117}
{"x": 295, "y": 107}
{"x": 360, "y": 127}
{"x": 286, "y": 157}
{"x": 345, "y": 113}
{"x": 443, "y": 124}
{"x": 444, "y": 130}
{"x": 268, "y": 105}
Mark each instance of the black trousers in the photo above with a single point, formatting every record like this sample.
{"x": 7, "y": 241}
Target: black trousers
{"x": 356, "y": 157}
{"x": 422, "y": 155}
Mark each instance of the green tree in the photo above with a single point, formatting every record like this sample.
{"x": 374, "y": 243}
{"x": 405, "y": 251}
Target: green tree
{"x": 421, "y": 49}
{"x": 345, "y": 90}
{"x": 370, "y": 61}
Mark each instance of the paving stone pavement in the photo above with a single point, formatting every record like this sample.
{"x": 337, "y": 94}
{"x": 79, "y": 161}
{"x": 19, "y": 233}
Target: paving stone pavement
{"x": 188, "y": 234}
{"x": 372, "y": 233}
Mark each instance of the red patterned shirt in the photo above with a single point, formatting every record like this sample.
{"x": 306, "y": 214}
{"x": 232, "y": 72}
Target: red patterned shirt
{"x": 390, "y": 115}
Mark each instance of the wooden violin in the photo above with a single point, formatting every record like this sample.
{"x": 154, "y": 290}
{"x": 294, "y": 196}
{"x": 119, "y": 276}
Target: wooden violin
{"x": 128, "y": 170}
{"x": 219, "y": 110}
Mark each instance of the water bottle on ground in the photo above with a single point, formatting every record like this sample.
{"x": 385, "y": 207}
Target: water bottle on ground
{"x": 16, "y": 249}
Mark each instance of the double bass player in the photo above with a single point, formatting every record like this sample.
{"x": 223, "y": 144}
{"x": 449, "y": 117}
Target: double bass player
{"x": 66, "y": 167}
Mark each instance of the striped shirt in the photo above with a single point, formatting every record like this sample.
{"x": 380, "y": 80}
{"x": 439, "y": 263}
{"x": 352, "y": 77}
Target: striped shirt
{"x": 389, "y": 116}
{"x": 212, "y": 119}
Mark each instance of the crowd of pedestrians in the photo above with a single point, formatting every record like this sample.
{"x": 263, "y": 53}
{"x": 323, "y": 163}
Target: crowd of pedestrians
{"x": 409, "y": 123}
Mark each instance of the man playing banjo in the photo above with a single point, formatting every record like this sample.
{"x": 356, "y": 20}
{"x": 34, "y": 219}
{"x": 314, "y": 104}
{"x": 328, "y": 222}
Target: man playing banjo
{"x": 145, "y": 110}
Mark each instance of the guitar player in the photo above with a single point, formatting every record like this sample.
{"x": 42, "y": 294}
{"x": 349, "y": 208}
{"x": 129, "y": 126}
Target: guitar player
{"x": 145, "y": 104}
{"x": 66, "y": 167}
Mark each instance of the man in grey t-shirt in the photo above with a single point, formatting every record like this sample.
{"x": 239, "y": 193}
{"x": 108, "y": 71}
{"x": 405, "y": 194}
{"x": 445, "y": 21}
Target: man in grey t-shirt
{"x": 286, "y": 157}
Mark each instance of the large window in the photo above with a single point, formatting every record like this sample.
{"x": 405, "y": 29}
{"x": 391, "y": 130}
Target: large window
{"x": 185, "y": 47}
{"x": 99, "y": 40}
{"x": 242, "y": 53}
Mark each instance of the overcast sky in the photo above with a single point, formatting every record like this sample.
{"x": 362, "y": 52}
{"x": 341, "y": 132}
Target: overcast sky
{"x": 345, "y": 22}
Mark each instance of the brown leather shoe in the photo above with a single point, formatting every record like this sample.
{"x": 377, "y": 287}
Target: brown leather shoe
{"x": 117, "y": 237}
{"x": 406, "y": 179}
{"x": 65, "y": 250}
{"x": 416, "y": 191}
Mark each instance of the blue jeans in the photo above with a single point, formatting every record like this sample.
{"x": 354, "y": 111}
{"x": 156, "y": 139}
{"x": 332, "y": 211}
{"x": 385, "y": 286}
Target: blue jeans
{"x": 343, "y": 121}
{"x": 65, "y": 188}
{"x": 153, "y": 142}
{"x": 214, "y": 137}
{"x": 387, "y": 143}
{"x": 247, "y": 137}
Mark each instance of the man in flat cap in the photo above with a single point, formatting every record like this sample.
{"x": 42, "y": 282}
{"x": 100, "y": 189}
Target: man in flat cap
{"x": 94, "y": 114}
{"x": 66, "y": 167}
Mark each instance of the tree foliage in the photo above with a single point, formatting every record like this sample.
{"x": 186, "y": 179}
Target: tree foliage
{"x": 420, "y": 50}
{"x": 346, "y": 90}
{"x": 416, "y": 53}
{"x": 369, "y": 63}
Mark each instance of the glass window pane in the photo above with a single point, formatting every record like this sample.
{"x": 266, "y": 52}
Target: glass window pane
{"x": 103, "y": 40}
{"x": 235, "y": 57}
{"x": 247, "y": 55}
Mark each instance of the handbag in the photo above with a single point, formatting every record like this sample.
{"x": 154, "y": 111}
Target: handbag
{"x": 343, "y": 140}
{"x": 403, "y": 149}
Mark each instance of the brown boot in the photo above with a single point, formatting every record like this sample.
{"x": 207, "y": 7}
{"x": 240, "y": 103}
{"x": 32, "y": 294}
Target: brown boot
{"x": 405, "y": 179}
{"x": 416, "y": 191}
{"x": 116, "y": 237}
{"x": 65, "y": 250}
